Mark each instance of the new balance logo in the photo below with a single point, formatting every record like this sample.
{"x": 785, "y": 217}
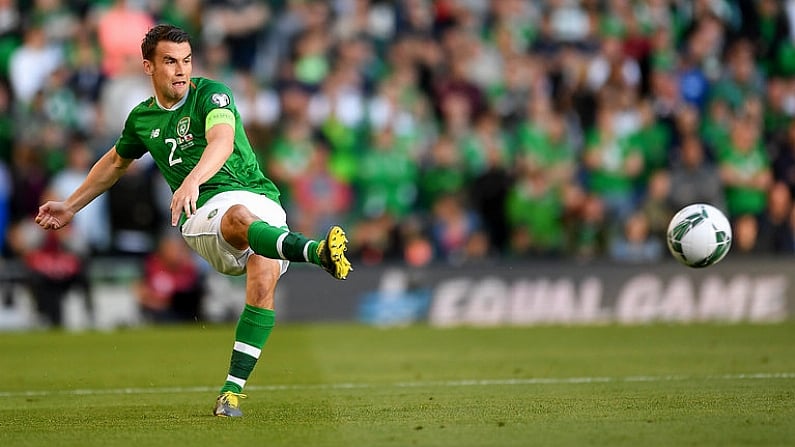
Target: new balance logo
{"x": 155, "y": 133}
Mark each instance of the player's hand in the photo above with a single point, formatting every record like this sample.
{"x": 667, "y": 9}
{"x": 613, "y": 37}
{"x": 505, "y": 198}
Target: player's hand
{"x": 54, "y": 216}
{"x": 184, "y": 201}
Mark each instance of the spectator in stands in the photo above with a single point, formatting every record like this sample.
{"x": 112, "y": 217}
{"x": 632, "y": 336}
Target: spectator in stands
{"x": 398, "y": 104}
{"x": 488, "y": 192}
{"x": 54, "y": 263}
{"x": 59, "y": 102}
{"x": 92, "y": 224}
{"x": 687, "y": 124}
{"x": 538, "y": 199}
{"x": 135, "y": 215}
{"x": 5, "y": 198}
{"x": 779, "y": 108}
{"x": 376, "y": 239}
{"x": 775, "y": 235}
{"x": 512, "y": 25}
{"x": 694, "y": 178}
{"x": 442, "y": 173}
{"x": 87, "y": 78}
{"x": 612, "y": 67}
{"x": 791, "y": 222}
{"x": 120, "y": 29}
{"x": 766, "y": 25}
{"x": 588, "y": 233}
{"x": 59, "y": 21}
{"x": 320, "y": 199}
{"x": 290, "y": 155}
{"x": 415, "y": 17}
{"x": 239, "y": 24}
{"x": 418, "y": 250}
{"x": 171, "y": 288}
{"x": 653, "y": 139}
{"x": 32, "y": 63}
{"x": 546, "y": 147}
{"x": 28, "y": 180}
{"x": 693, "y": 83}
{"x": 120, "y": 94}
{"x": 636, "y": 244}
{"x": 612, "y": 166}
{"x": 656, "y": 205}
{"x": 535, "y": 208}
{"x": 715, "y": 127}
{"x": 311, "y": 63}
{"x": 509, "y": 96}
{"x": 745, "y": 169}
{"x": 214, "y": 63}
{"x": 258, "y": 106}
{"x": 387, "y": 177}
{"x": 11, "y": 17}
{"x": 186, "y": 14}
{"x": 456, "y": 82}
{"x": 741, "y": 79}
{"x": 338, "y": 108}
{"x": 745, "y": 234}
{"x": 784, "y": 159}
{"x": 453, "y": 228}
{"x": 7, "y": 122}
{"x": 708, "y": 34}
{"x": 457, "y": 117}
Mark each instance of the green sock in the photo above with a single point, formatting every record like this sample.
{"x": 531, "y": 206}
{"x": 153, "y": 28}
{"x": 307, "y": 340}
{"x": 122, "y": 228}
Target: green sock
{"x": 252, "y": 332}
{"x": 278, "y": 243}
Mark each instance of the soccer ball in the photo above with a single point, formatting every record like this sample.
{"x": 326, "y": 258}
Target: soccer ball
{"x": 699, "y": 235}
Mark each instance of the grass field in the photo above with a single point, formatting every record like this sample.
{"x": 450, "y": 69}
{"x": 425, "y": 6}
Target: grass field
{"x": 349, "y": 385}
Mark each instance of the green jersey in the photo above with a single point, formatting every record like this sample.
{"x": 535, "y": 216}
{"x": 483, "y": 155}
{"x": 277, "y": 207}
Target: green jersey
{"x": 176, "y": 139}
{"x": 745, "y": 199}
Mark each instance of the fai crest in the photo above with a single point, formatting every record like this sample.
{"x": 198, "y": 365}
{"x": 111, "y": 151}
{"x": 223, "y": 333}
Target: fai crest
{"x": 220, "y": 99}
{"x": 183, "y": 125}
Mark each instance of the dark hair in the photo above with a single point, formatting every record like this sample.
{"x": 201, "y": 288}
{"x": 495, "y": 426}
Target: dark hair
{"x": 159, "y": 33}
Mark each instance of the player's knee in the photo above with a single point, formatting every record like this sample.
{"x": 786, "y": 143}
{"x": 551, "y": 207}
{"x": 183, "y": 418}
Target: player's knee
{"x": 234, "y": 225}
{"x": 238, "y": 216}
{"x": 263, "y": 275}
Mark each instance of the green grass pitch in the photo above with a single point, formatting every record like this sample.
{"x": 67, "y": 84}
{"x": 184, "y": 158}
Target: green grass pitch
{"x": 352, "y": 385}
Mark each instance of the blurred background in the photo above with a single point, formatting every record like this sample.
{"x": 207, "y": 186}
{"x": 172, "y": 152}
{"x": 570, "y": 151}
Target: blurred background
{"x": 443, "y": 135}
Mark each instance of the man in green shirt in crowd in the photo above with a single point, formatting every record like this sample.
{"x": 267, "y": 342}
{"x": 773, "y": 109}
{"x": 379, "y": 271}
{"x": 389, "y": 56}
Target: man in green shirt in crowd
{"x": 745, "y": 168}
{"x": 225, "y": 207}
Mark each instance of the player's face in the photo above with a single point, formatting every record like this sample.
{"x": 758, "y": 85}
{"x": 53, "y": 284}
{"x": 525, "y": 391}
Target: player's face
{"x": 170, "y": 69}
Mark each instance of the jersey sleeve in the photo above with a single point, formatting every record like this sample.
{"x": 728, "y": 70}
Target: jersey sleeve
{"x": 216, "y": 96}
{"x": 129, "y": 144}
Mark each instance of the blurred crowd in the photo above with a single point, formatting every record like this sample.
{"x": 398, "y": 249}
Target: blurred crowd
{"x": 448, "y": 131}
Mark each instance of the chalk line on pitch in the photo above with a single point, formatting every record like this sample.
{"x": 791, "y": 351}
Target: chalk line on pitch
{"x": 415, "y": 384}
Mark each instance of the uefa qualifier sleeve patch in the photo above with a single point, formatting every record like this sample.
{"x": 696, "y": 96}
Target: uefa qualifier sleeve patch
{"x": 220, "y": 99}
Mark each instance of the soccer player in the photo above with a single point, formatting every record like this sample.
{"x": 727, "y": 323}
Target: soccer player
{"x": 226, "y": 209}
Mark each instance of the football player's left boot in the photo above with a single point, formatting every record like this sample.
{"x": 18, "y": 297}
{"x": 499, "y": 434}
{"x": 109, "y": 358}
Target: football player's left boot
{"x": 331, "y": 252}
{"x": 228, "y": 405}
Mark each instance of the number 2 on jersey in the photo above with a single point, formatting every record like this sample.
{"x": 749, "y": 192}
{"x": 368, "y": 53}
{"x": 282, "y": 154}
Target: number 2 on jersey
{"x": 173, "y": 144}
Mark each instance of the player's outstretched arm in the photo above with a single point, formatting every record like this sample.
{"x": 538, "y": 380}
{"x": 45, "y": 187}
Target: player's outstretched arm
{"x": 104, "y": 174}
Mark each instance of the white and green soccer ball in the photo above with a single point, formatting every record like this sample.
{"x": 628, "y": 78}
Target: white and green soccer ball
{"x": 699, "y": 235}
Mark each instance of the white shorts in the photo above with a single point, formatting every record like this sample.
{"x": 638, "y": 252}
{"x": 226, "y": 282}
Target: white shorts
{"x": 202, "y": 231}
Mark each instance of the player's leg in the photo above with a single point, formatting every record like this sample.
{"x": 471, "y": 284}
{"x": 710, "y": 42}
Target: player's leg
{"x": 241, "y": 228}
{"x": 233, "y": 223}
{"x": 262, "y": 274}
{"x": 253, "y": 329}
{"x": 219, "y": 232}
